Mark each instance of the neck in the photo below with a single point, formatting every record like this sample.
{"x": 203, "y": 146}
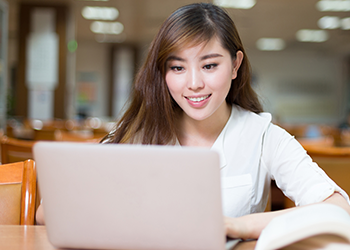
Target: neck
{"x": 202, "y": 133}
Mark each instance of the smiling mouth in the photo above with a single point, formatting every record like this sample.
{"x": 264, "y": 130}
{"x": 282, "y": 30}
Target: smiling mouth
{"x": 198, "y": 99}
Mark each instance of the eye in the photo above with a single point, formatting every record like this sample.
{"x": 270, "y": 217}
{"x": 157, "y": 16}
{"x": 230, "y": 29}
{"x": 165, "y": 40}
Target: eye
{"x": 177, "y": 68}
{"x": 210, "y": 66}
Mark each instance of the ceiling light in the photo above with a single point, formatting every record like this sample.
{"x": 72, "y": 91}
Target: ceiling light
{"x": 270, "y": 44}
{"x": 317, "y": 36}
{"x": 113, "y": 28}
{"x": 333, "y": 5}
{"x": 345, "y": 23}
{"x": 236, "y": 4}
{"x": 99, "y": 13}
{"x": 329, "y": 22}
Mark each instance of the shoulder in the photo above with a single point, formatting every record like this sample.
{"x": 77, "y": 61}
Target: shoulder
{"x": 249, "y": 120}
{"x": 240, "y": 112}
{"x": 254, "y": 127}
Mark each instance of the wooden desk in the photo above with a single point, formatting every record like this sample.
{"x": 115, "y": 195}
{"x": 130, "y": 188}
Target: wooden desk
{"x": 249, "y": 245}
{"x": 24, "y": 237}
{"x": 35, "y": 238}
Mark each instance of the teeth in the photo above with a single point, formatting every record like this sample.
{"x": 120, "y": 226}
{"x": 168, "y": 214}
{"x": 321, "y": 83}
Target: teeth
{"x": 195, "y": 99}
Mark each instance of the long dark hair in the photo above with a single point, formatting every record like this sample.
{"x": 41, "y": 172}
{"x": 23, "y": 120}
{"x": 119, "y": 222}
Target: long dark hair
{"x": 151, "y": 114}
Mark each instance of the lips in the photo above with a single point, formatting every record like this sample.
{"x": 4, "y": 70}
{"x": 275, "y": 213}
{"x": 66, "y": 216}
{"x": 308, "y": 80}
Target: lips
{"x": 197, "y": 99}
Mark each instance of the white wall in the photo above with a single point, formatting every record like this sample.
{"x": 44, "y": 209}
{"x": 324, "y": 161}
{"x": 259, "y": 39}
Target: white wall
{"x": 94, "y": 57}
{"x": 301, "y": 87}
{"x": 276, "y": 72}
{"x": 123, "y": 70}
{"x": 296, "y": 87}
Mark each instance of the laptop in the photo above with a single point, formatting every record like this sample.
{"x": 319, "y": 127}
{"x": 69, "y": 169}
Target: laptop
{"x": 118, "y": 196}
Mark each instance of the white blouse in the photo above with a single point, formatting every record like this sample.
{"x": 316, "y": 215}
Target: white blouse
{"x": 252, "y": 152}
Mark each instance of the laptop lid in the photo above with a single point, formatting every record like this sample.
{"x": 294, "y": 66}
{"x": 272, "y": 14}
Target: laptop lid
{"x": 130, "y": 196}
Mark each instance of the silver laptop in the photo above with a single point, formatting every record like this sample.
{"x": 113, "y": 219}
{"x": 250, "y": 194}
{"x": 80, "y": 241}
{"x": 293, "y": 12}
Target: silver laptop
{"x": 130, "y": 196}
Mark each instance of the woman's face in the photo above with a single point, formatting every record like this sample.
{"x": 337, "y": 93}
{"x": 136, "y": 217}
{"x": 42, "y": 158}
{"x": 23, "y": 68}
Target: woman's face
{"x": 199, "y": 78}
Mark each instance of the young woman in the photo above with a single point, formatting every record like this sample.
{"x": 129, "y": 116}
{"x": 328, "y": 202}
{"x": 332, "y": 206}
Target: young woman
{"x": 194, "y": 89}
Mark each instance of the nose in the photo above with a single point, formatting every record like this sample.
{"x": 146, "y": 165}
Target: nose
{"x": 195, "y": 80}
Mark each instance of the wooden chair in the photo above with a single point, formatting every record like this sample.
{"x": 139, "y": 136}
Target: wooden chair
{"x": 76, "y": 136}
{"x": 45, "y": 134}
{"x": 100, "y": 133}
{"x": 9, "y": 131}
{"x": 329, "y": 151}
{"x": 46, "y": 130}
{"x": 17, "y": 193}
{"x": 15, "y": 150}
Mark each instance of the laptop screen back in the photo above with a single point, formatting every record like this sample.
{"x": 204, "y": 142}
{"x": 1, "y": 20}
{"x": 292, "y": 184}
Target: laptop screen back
{"x": 130, "y": 196}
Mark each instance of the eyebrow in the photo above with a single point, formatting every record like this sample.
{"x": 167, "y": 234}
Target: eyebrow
{"x": 211, "y": 56}
{"x": 176, "y": 58}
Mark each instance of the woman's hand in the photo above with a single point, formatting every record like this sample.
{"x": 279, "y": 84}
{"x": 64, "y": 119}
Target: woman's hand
{"x": 39, "y": 216}
{"x": 250, "y": 226}
{"x": 236, "y": 228}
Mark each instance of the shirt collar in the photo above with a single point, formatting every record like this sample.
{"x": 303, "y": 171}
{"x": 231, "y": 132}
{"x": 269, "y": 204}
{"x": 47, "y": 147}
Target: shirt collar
{"x": 218, "y": 145}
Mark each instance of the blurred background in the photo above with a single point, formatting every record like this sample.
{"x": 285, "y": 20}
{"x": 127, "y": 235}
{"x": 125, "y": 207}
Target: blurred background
{"x": 67, "y": 67}
{"x": 75, "y": 60}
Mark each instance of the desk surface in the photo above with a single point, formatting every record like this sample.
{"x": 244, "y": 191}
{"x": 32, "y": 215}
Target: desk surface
{"x": 35, "y": 238}
{"x": 24, "y": 237}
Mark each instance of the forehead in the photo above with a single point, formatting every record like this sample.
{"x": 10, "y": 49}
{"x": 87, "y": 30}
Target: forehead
{"x": 197, "y": 48}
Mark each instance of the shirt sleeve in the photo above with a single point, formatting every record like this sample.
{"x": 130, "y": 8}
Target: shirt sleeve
{"x": 299, "y": 178}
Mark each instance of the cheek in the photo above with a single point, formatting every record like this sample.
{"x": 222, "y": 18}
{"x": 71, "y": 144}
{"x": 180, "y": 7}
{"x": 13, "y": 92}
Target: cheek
{"x": 221, "y": 81}
{"x": 168, "y": 80}
{"x": 169, "y": 83}
{"x": 173, "y": 83}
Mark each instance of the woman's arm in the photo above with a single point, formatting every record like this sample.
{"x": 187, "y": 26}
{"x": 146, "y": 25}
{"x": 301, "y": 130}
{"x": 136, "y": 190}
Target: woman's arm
{"x": 40, "y": 220}
{"x": 296, "y": 175}
{"x": 339, "y": 200}
{"x": 250, "y": 226}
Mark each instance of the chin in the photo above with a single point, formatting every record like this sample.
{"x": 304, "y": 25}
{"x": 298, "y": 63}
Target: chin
{"x": 197, "y": 117}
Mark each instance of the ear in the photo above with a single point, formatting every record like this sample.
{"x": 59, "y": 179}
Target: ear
{"x": 237, "y": 63}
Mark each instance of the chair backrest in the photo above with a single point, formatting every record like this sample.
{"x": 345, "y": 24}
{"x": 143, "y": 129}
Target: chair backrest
{"x": 17, "y": 193}
{"x": 15, "y": 150}
{"x": 328, "y": 151}
{"x": 46, "y": 134}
